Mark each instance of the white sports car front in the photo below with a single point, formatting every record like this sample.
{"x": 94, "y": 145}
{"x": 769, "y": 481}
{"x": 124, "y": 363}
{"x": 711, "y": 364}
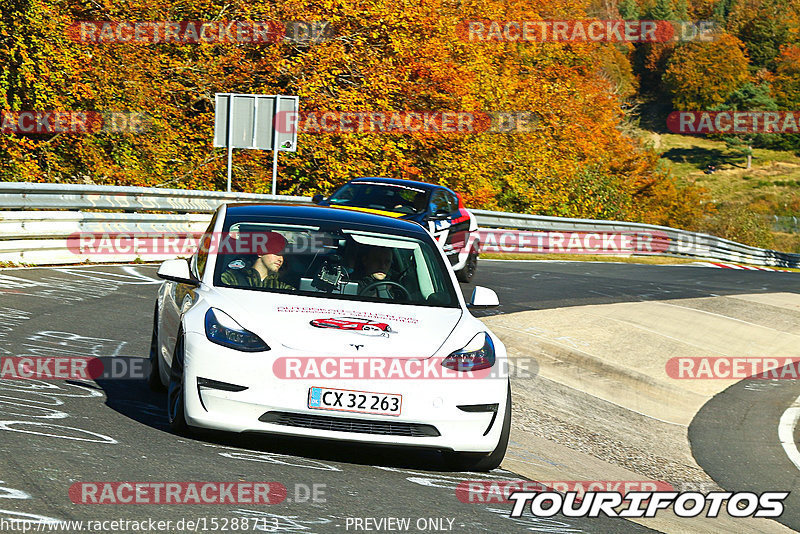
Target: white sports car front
{"x": 333, "y": 324}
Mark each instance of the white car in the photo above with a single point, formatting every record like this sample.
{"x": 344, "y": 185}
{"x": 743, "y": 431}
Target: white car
{"x": 333, "y": 324}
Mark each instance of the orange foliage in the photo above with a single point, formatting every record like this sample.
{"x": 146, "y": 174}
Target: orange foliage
{"x": 786, "y": 82}
{"x": 398, "y": 55}
{"x": 701, "y": 75}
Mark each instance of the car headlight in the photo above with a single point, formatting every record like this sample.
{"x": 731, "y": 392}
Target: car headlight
{"x": 477, "y": 354}
{"x": 223, "y": 330}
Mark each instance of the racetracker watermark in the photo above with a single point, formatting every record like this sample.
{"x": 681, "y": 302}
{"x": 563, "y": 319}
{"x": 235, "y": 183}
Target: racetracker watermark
{"x": 407, "y": 122}
{"x": 498, "y": 491}
{"x": 683, "y": 504}
{"x": 73, "y": 122}
{"x": 74, "y": 368}
{"x": 733, "y": 368}
{"x": 177, "y": 492}
{"x": 377, "y": 368}
{"x": 197, "y": 32}
{"x": 643, "y": 242}
{"x": 734, "y": 122}
{"x": 613, "y": 31}
{"x": 187, "y": 243}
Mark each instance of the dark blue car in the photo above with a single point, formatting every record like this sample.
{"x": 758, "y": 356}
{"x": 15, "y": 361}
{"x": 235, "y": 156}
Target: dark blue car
{"x": 435, "y": 207}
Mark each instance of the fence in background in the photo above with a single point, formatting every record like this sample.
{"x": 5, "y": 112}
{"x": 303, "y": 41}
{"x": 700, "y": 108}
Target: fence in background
{"x": 36, "y": 221}
{"x": 784, "y": 224}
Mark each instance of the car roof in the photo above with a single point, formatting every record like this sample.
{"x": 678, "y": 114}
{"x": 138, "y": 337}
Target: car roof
{"x": 319, "y": 215}
{"x": 397, "y": 181}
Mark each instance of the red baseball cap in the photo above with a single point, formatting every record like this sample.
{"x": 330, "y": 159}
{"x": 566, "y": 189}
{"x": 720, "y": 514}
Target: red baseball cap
{"x": 268, "y": 243}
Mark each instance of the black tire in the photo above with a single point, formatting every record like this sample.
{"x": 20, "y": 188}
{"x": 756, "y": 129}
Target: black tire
{"x": 154, "y": 378}
{"x": 465, "y": 461}
{"x": 176, "y": 392}
{"x": 466, "y": 273}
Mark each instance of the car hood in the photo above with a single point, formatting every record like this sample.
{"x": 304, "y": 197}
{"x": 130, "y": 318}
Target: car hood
{"x": 416, "y": 217}
{"x": 311, "y": 326}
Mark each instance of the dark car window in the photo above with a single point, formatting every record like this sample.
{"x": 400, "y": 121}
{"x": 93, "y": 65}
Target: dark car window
{"x": 453, "y": 201}
{"x": 333, "y": 262}
{"x": 439, "y": 203}
{"x": 375, "y": 195}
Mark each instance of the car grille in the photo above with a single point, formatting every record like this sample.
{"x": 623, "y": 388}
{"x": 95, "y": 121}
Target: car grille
{"x": 346, "y": 424}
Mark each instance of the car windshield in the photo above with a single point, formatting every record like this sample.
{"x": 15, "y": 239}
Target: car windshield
{"x": 381, "y": 196}
{"x": 332, "y": 262}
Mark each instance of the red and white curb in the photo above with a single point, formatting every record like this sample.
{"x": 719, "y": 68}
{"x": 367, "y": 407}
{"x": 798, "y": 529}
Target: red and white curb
{"x": 720, "y": 265}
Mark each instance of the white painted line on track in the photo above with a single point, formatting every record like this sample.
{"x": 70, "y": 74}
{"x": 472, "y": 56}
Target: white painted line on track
{"x": 133, "y": 271}
{"x": 786, "y": 427}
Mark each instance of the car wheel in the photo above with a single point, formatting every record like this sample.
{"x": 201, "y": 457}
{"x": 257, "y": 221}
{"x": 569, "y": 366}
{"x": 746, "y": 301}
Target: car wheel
{"x": 465, "y": 461}
{"x": 154, "y": 378}
{"x": 466, "y": 273}
{"x": 175, "y": 392}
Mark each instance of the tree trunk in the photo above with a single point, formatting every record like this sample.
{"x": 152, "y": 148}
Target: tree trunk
{"x": 749, "y": 156}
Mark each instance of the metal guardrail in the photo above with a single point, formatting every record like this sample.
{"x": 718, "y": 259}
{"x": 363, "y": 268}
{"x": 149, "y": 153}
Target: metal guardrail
{"x": 680, "y": 242}
{"x": 40, "y": 237}
{"x": 26, "y": 196}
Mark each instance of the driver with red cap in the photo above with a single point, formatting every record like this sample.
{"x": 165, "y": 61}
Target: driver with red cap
{"x": 264, "y": 272}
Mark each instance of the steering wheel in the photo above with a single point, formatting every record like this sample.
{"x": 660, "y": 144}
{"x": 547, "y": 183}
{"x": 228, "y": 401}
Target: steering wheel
{"x": 373, "y": 285}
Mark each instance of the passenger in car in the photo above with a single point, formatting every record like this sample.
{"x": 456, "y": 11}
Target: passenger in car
{"x": 264, "y": 272}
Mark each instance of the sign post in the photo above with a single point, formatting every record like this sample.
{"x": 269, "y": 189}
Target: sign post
{"x": 256, "y": 122}
{"x": 229, "y": 144}
{"x": 275, "y": 150}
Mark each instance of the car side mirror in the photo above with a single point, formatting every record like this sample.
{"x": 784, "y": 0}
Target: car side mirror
{"x": 316, "y": 199}
{"x": 177, "y": 271}
{"x": 483, "y": 297}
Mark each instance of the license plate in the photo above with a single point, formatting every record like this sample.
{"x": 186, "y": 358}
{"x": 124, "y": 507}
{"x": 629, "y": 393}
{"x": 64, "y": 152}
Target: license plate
{"x": 347, "y": 400}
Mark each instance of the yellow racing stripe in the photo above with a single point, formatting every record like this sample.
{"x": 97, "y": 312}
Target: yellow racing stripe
{"x": 370, "y": 210}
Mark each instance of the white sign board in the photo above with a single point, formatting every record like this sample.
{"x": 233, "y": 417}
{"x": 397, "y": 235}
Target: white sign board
{"x": 257, "y": 122}
{"x": 253, "y": 121}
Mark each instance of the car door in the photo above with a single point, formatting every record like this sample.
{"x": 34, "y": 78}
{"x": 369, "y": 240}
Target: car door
{"x": 178, "y": 298}
{"x": 460, "y": 223}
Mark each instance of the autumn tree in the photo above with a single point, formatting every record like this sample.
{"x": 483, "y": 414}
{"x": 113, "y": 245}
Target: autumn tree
{"x": 700, "y": 75}
{"x": 786, "y": 90}
{"x": 786, "y": 82}
{"x": 381, "y": 56}
{"x": 764, "y": 26}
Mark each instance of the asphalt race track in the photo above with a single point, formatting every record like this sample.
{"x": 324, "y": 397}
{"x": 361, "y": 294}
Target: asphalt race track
{"x": 733, "y": 438}
{"x": 54, "y": 434}
{"x": 538, "y": 285}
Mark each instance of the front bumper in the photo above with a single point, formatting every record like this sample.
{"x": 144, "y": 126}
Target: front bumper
{"x": 280, "y": 406}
